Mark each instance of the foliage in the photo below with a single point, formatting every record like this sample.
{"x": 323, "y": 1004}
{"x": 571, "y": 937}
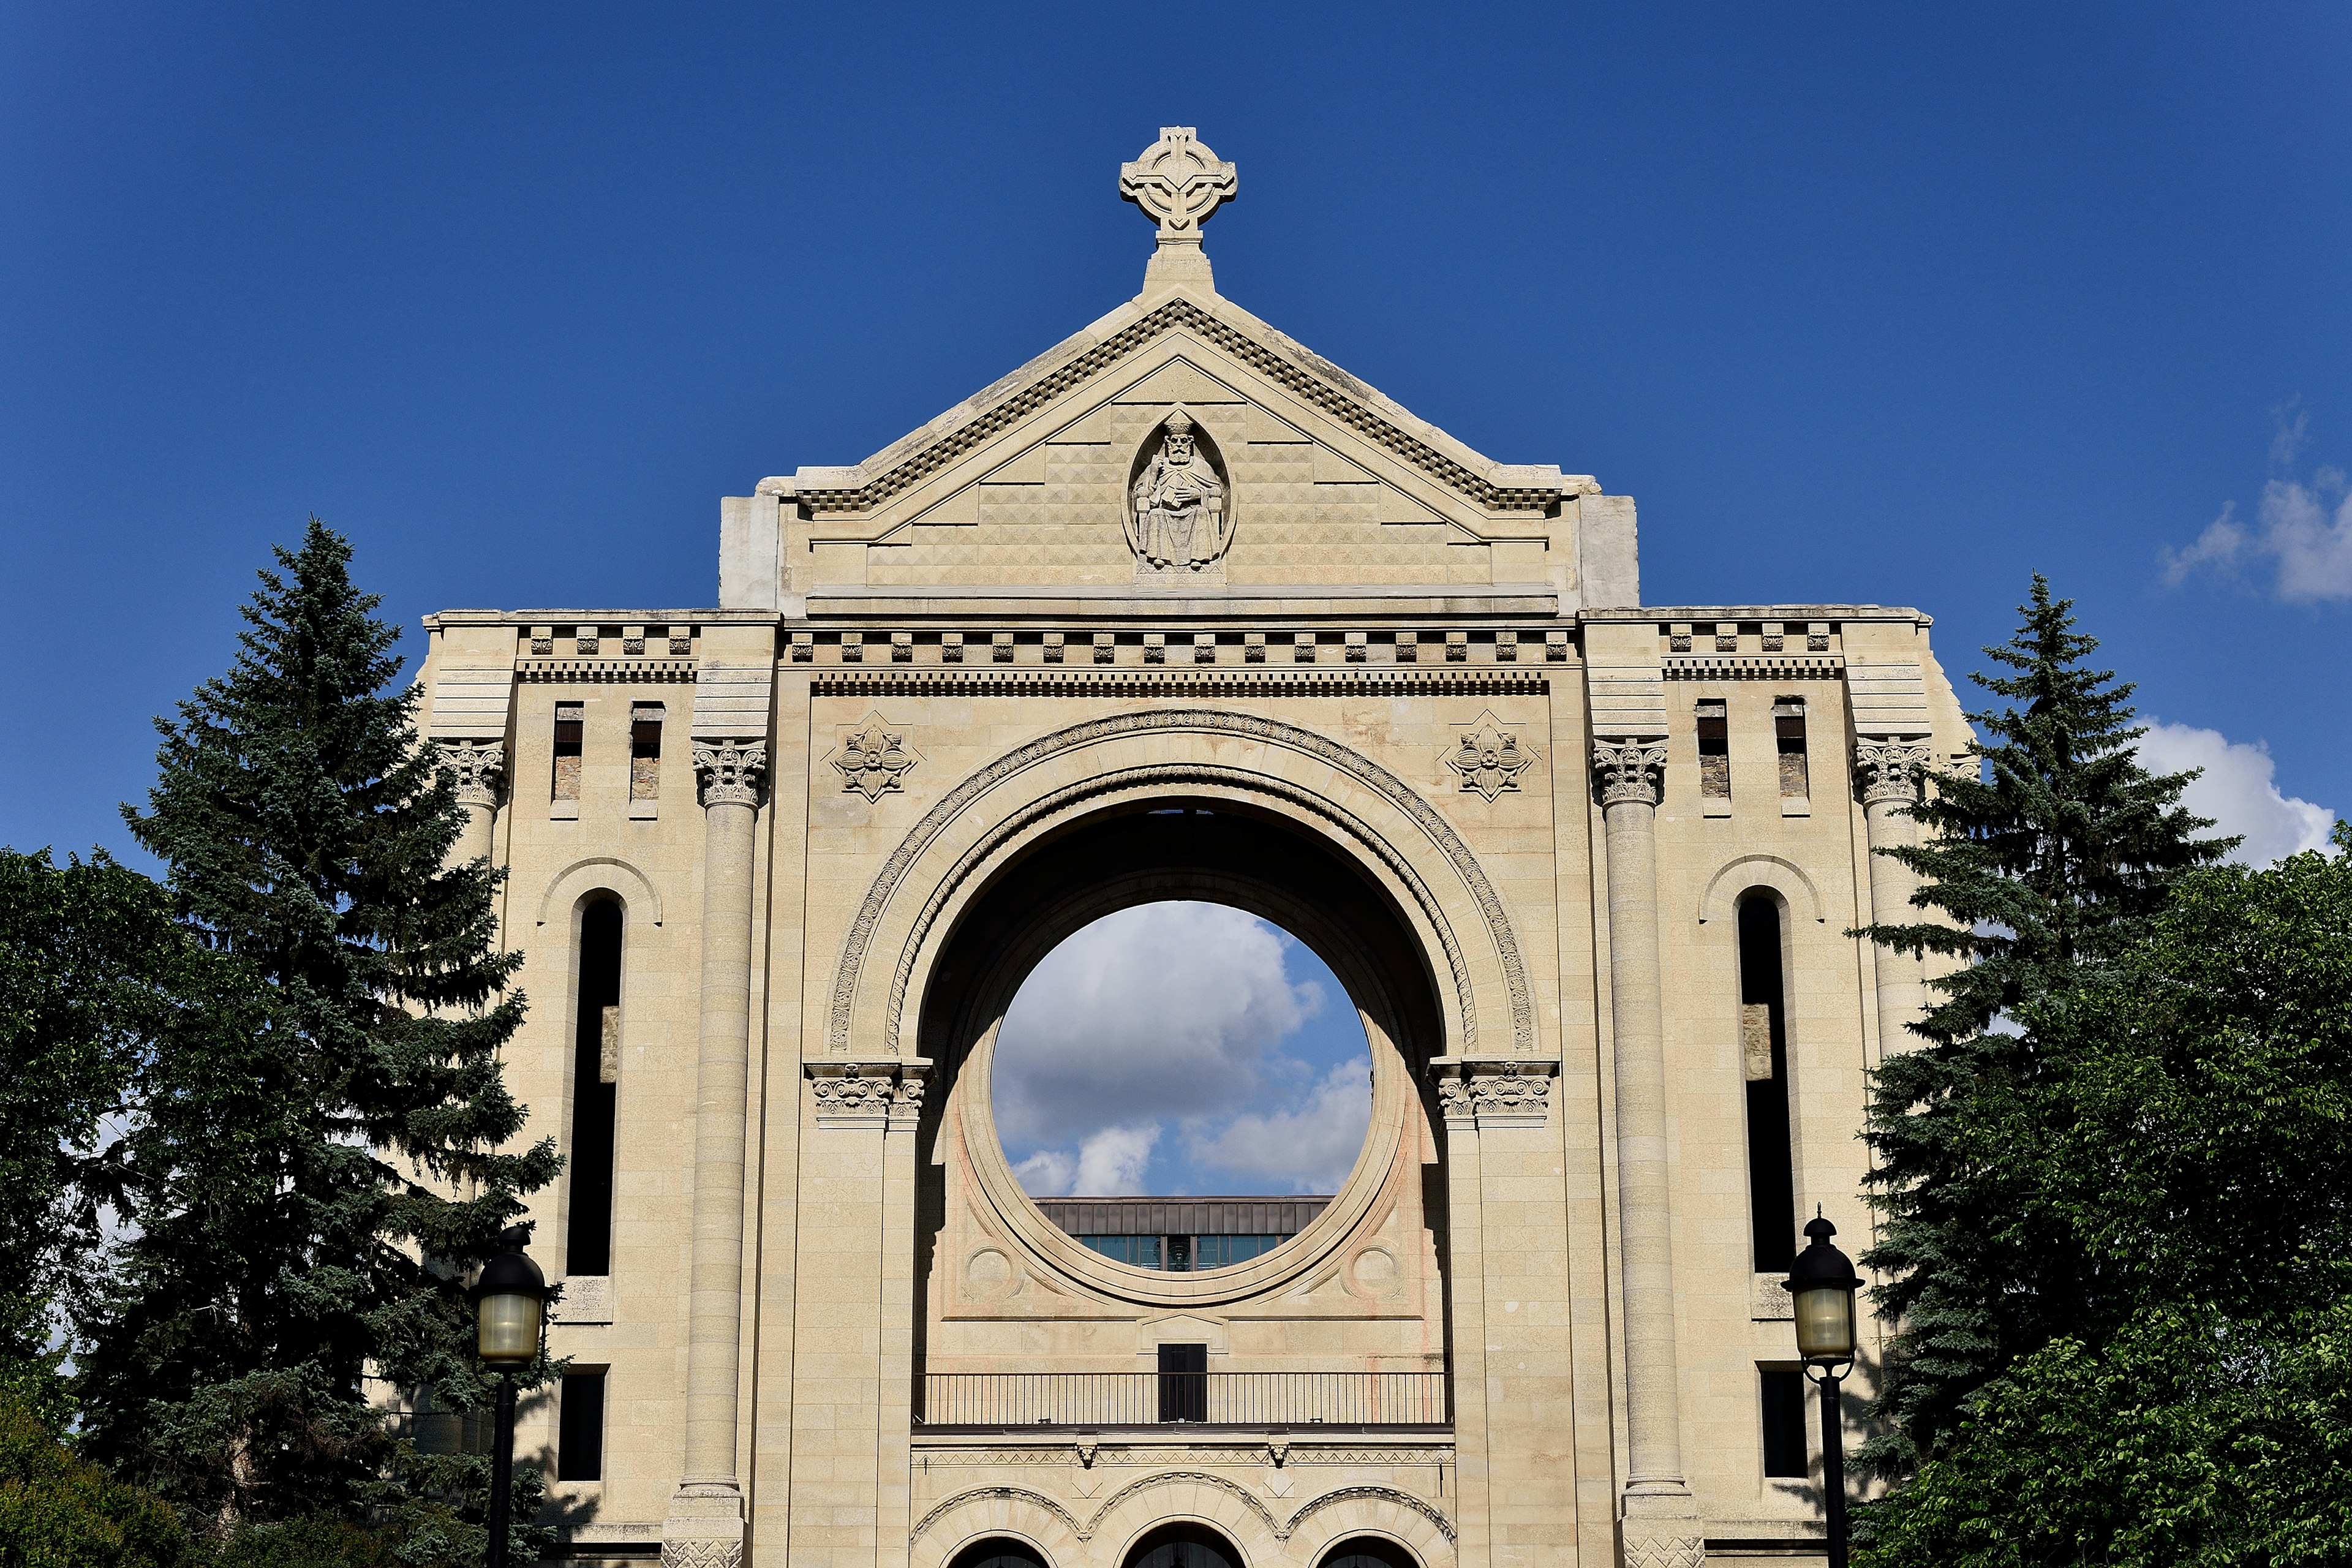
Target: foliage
{"x": 2042, "y": 872}
{"x": 60, "y": 1512}
{"x": 315, "y": 1158}
{"x": 86, "y": 949}
{"x": 2193, "y": 1149}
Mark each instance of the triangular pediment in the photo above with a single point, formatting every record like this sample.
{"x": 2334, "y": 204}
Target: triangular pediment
{"x": 1028, "y": 483}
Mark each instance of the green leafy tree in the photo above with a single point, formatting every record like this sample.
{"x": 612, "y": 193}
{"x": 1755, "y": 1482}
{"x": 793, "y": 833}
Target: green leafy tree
{"x": 2041, "y": 871}
{"x": 2198, "y": 1103}
{"x": 57, "y": 1510}
{"x": 317, "y": 1153}
{"x": 86, "y": 953}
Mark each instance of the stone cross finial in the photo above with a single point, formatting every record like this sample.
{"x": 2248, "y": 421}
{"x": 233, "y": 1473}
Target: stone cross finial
{"x": 1178, "y": 182}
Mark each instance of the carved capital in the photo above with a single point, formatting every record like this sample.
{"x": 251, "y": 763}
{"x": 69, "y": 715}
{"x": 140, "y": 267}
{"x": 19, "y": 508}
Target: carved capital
{"x": 1628, "y": 771}
{"x": 866, "y": 1094}
{"x": 481, "y": 768}
{"x": 731, "y": 771}
{"x": 1888, "y": 769}
{"x": 1493, "y": 1093}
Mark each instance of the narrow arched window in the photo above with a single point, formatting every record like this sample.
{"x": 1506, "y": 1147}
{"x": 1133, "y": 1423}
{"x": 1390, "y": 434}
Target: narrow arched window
{"x": 596, "y": 1085}
{"x": 1764, "y": 1054}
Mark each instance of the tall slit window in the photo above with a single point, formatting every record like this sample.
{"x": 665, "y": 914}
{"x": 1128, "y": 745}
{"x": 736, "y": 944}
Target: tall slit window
{"x": 1764, "y": 1054}
{"x": 1789, "y": 736}
{"x": 580, "y": 1428}
{"x": 1714, "y": 752}
{"x": 570, "y": 725}
{"x": 1780, "y": 1394}
{"x": 595, "y": 1084}
{"x": 644, "y": 757}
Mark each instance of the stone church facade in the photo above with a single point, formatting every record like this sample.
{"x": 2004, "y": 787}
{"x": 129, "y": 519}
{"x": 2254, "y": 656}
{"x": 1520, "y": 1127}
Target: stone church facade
{"x": 1180, "y": 609}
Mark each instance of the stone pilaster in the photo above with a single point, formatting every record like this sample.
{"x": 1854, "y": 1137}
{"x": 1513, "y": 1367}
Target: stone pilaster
{"x": 705, "y": 1527}
{"x": 480, "y": 767}
{"x": 1887, "y": 768}
{"x": 1661, "y": 1522}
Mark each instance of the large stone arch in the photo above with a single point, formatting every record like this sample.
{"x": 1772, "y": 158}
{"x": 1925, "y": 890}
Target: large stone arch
{"x": 1187, "y": 1497}
{"x": 1322, "y": 1522}
{"x": 1029, "y": 1516}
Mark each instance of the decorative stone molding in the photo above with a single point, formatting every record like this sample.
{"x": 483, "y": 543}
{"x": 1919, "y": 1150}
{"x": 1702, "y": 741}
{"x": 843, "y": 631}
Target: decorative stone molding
{"x": 874, "y": 759}
{"x": 1679, "y": 1547}
{"x": 481, "y": 768}
{"x": 1203, "y": 679}
{"x": 587, "y": 640}
{"x": 1767, "y": 666}
{"x": 1768, "y": 1300}
{"x": 1378, "y": 779}
{"x": 1629, "y": 770}
{"x": 866, "y": 1094}
{"x": 704, "y": 1552}
{"x": 731, "y": 771}
{"x": 1489, "y": 759}
{"x": 633, "y": 640}
{"x": 1495, "y": 1093}
{"x": 603, "y": 672}
{"x": 681, "y": 641}
{"x": 542, "y": 641}
{"x": 1888, "y": 768}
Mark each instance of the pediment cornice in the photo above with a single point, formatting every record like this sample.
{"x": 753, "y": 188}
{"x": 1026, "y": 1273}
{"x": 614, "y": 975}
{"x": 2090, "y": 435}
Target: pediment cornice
{"x": 1496, "y": 488}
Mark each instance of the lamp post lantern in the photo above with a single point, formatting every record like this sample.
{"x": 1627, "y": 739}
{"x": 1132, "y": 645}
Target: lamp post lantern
{"x": 1821, "y": 1285}
{"x": 510, "y": 1312}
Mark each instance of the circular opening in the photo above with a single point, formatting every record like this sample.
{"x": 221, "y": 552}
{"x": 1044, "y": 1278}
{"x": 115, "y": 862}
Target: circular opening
{"x": 1182, "y": 1050}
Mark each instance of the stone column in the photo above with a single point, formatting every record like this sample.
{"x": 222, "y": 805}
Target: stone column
{"x": 1661, "y": 1520}
{"x": 1888, "y": 769}
{"x": 705, "y": 1527}
{"x": 480, "y": 767}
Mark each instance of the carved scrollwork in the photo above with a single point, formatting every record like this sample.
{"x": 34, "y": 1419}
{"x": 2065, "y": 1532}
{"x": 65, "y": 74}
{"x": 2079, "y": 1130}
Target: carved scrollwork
{"x": 731, "y": 771}
{"x": 866, "y": 1094}
{"x": 1495, "y": 1093}
{"x": 1889, "y": 769}
{"x": 1628, "y": 771}
{"x": 481, "y": 768}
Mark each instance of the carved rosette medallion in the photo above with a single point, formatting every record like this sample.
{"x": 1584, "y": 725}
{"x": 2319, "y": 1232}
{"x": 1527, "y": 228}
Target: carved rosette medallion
{"x": 1889, "y": 769}
{"x": 1628, "y": 771}
{"x": 874, "y": 759}
{"x": 481, "y": 768}
{"x": 1489, "y": 759}
{"x": 731, "y": 771}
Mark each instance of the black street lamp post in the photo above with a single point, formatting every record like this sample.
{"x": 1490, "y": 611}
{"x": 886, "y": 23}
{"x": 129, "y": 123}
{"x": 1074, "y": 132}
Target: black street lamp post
{"x": 509, "y": 1304}
{"x": 1821, "y": 1284}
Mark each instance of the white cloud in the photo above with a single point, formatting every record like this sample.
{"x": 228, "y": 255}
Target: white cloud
{"x": 2238, "y": 791}
{"x": 1109, "y": 1164}
{"x": 2304, "y": 530}
{"x": 1309, "y": 1148}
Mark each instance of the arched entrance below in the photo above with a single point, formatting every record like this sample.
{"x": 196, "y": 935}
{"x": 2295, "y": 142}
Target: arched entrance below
{"x": 1185, "y": 1546}
{"x": 1000, "y": 1552}
{"x": 1368, "y": 1551}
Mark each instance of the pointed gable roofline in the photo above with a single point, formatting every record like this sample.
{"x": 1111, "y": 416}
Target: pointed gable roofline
{"x": 1518, "y": 488}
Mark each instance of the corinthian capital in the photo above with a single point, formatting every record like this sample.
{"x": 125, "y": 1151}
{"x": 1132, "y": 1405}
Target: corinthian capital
{"x": 1628, "y": 771}
{"x": 731, "y": 771}
{"x": 1889, "y": 769}
{"x": 480, "y": 769}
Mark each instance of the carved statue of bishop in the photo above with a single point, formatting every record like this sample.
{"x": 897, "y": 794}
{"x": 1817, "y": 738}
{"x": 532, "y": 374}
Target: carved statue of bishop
{"x": 1179, "y": 510}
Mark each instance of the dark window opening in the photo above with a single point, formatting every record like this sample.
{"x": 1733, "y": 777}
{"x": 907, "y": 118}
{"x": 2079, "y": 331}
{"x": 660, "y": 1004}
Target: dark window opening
{"x": 595, "y": 1084}
{"x": 998, "y": 1552}
{"x": 1183, "y": 1546}
{"x": 1781, "y": 1391}
{"x": 580, "y": 1428}
{"x": 645, "y": 751}
{"x": 1183, "y": 1383}
{"x": 1789, "y": 734}
{"x": 1368, "y": 1551}
{"x": 571, "y": 723}
{"x": 1764, "y": 1050}
{"x": 1714, "y": 750}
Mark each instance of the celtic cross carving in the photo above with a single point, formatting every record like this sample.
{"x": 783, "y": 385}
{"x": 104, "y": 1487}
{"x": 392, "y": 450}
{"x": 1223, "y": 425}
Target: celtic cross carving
{"x": 1179, "y": 183}
{"x": 1628, "y": 771}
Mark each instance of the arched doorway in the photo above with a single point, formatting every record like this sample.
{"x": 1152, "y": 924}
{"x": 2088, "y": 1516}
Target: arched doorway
{"x": 1183, "y": 1546}
{"x": 1000, "y": 1552}
{"x": 1368, "y": 1551}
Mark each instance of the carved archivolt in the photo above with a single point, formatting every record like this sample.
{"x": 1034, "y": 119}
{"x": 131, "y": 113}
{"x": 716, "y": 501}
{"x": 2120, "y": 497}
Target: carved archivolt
{"x": 1366, "y": 772}
{"x": 1281, "y": 1530}
{"x": 604, "y": 871}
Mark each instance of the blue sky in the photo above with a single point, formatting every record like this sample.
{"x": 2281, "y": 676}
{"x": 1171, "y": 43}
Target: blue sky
{"x": 1861, "y": 303}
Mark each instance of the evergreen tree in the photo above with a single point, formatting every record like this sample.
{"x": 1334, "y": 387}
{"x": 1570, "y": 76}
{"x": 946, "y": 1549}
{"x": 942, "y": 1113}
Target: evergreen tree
{"x": 86, "y": 953}
{"x": 2042, "y": 869}
{"x": 316, "y": 1154}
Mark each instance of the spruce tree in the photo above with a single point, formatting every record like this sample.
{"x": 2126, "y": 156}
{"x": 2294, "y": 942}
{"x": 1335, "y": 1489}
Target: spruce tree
{"x": 317, "y": 1153}
{"x": 2042, "y": 870}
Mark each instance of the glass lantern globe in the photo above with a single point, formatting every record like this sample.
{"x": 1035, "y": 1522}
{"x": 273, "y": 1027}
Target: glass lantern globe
{"x": 510, "y": 1300}
{"x": 1821, "y": 1286}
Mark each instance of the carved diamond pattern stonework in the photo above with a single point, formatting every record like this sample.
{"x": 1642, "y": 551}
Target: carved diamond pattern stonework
{"x": 874, "y": 759}
{"x": 1489, "y": 759}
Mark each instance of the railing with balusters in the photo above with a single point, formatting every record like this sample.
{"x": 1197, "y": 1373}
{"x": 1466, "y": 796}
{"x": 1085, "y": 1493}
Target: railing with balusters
{"x": 1210, "y": 1398}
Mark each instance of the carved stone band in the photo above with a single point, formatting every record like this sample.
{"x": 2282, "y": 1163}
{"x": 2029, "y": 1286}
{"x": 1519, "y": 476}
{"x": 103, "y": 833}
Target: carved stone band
{"x": 481, "y": 768}
{"x": 731, "y": 771}
{"x": 866, "y": 1094}
{"x": 1628, "y": 771}
{"x": 1889, "y": 769}
{"x": 1515, "y": 1093}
